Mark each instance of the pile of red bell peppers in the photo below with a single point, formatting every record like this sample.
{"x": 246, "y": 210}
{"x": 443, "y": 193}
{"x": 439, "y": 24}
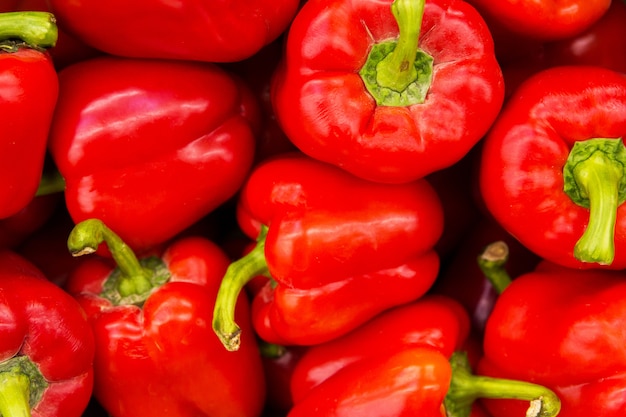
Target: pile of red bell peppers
{"x": 333, "y": 208}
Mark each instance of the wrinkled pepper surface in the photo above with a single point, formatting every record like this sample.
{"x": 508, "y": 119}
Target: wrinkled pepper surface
{"x": 331, "y": 243}
{"x": 207, "y": 30}
{"x": 553, "y": 166}
{"x": 46, "y": 345}
{"x": 156, "y": 353}
{"x": 388, "y": 90}
{"x": 150, "y": 146}
{"x": 29, "y": 90}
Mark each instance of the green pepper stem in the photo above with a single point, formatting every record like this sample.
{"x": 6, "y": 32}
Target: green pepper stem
{"x": 36, "y": 29}
{"x": 14, "y": 394}
{"x": 595, "y": 177}
{"x": 466, "y": 387}
{"x": 492, "y": 262}
{"x": 397, "y": 70}
{"x": 51, "y": 183}
{"x": 85, "y": 238}
{"x": 238, "y": 274}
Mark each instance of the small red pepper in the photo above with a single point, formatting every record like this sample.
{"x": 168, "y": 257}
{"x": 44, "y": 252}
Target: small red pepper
{"x": 553, "y": 166}
{"x": 156, "y": 353}
{"x": 405, "y": 362}
{"x": 211, "y": 31}
{"x": 562, "y": 328}
{"x": 46, "y": 345}
{"x": 388, "y": 90}
{"x": 29, "y": 89}
{"x": 331, "y": 243}
{"x": 139, "y": 143}
{"x": 544, "y": 19}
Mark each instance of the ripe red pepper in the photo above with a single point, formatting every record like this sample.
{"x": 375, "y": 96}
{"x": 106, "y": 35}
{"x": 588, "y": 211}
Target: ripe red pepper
{"x": 330, "y": 242}
{"x": 562, "y": 328}
{"x": 29, "y": 90}
{"x": 212, "y": 31}
{"x": 156, "y": 353}
{"x": 552, "y": 169}
{"x": 139, "y": 143}
{"x": 405, "y": 362}
{"x": 46, "y": 345}
{"x": 342, "y": 96}
{"x": 544, "y": 19}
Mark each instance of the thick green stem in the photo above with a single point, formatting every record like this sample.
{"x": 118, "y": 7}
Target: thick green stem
{"x": 595, "y": 178}
{"x": 492, "y": 262}
{"x": 238, "y": 274}
{"x": 85, "y": 238}
{"x": 36, "y": 29}
{"x": 14, "y": 395}
{"x": 465, "y": 388}
{"x": 397, "y": 70}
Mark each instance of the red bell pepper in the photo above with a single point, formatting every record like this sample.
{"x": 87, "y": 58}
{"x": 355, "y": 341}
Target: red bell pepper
{"x": 405, "y": 362}
{"x": 342, "y": 96}
{"x": 156, "y": 353}
{"x": 140, "y": 143}
{"x": 29, "y": 90}
{"x": 562, "y": 328}
{"x": 46, "y": 345}
{"x": 331, "y": 242}
{"x": 552, "y": 169}
{"x": 544, "y": 19}
{"x": 14, "y": 230}
{"x": 212, "y": 31}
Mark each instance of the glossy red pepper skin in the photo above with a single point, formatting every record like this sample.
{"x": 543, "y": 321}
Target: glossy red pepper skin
{"x": 213, "y": 31}
{"x": 333, "y": 242}
{"x": 433, "y": 321}
{"x": 562, "y": 328}
{"x": 43, "y": 323}
{"x": 324, "y": 108}
{"x": 544, "y": 19}
{"x": 130, "y": 134}
{"x": 521, "y": 172}
{"x": 29, "y": 89}
{"x": 163, "y": 358}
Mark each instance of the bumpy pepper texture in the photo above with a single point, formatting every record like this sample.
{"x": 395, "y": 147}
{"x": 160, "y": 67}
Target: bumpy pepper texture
{"x": 336, "y": 104}
{"x": 149, "y": 146}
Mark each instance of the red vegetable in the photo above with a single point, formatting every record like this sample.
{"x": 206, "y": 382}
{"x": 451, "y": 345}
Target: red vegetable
{"x": 331, "y": 243}
{"x": 29, "y": 89}
{"x": 343, "y": 97}
{"x": 155, "y": 350}
{"x": 212, "y": 31}
{"x": 562, "y": 328}
{"x": 150, "y": 146}
{"x": 544, "y": 19}
{"x": 552, "y": 169}
{"x": 46, "y": 345}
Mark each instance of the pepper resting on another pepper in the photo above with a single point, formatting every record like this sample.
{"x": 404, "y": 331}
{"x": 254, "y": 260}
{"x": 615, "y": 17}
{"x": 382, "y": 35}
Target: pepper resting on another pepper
{"x": 156, "y": 354}
{"x": 46, "y": 345}
{"x": 29, "y": 89}
{"x": 388, "y": 90}
{"x": 331, "y": 242}
{"x": 553, "y": 168}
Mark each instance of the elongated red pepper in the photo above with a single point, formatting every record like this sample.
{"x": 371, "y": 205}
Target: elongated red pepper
{"x": 552, "y": 170}
{"x": 331, "y": 242}
{"x": 404, "y": 362}
{"x": 156, "y": 353}
{"x": 342, "y": 96}
{"x": 211, "y": 31}
{"x": 562, "y": 328}
{"x": 29, "y": 89}
{"x": 46, "y": 345}
{"x": 140, "y": 143}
